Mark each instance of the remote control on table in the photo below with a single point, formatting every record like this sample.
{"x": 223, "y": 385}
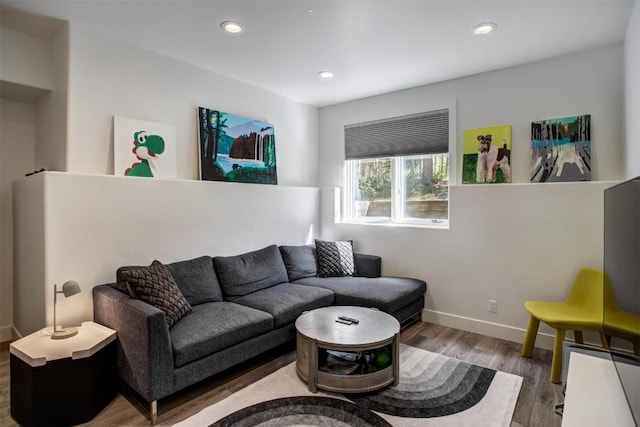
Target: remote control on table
{"x": 349, "y": 319}
{"x": 346, "y": 322}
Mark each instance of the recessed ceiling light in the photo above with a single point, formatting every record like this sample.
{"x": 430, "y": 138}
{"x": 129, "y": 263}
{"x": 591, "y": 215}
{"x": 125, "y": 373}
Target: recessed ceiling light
{"x": 484, "y": 28}
{"x": 231, "y": 27}
{"x": 326, "y": 74}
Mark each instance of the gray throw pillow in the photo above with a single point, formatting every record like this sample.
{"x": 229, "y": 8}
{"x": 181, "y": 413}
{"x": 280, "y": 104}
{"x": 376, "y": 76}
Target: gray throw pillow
{"x": 335, "y": 259}
{"x": 121, "y": 283}
{"x": 155, "y": 285}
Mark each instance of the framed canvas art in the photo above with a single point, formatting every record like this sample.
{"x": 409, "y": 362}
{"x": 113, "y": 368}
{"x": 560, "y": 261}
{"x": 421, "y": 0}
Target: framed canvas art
{"x": 561, "y": 149}
{"x": 234, "y": 148}
{"x": 144, "y": 149}
{"x": 487, "y": 155}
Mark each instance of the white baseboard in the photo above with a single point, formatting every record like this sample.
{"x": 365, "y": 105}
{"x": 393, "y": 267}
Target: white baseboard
{"x": 482, "y": 327}
{"x": 7, "y": 333}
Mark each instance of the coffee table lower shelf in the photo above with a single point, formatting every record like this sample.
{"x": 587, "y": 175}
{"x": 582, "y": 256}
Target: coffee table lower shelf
{"x": 307, "y": 367}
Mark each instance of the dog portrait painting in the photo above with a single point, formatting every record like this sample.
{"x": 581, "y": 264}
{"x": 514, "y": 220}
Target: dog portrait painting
{"x": 487, "y": 155}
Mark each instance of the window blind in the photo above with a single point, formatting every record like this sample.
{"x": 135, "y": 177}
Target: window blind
{"x": 423, "y": 133}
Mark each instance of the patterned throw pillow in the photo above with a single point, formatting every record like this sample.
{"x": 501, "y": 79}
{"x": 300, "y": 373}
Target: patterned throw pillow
{"x": 155, "y": 285}
{"x": 334, "y": 258}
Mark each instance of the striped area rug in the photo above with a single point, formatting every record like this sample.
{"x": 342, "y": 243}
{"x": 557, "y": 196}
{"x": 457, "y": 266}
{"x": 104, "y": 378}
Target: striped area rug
{"x": 434, "y": 390}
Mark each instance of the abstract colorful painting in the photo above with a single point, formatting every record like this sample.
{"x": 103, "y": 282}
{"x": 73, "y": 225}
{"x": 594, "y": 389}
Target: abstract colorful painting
{"x": 561, "y": 149}
{"x": 235, "y": 148}
{"x": 145, "y": 149}
{"x": 487, "y": 155}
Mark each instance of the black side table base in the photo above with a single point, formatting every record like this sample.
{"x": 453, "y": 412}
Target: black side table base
{"x": 65, "y": 391}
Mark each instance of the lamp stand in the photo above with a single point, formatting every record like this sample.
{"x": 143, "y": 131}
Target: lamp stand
{"x": 60, "y": 333}
{"x": 64, "y": 333}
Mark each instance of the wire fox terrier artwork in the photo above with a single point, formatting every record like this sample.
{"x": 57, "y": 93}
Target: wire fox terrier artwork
{"x": 484, "y": 160}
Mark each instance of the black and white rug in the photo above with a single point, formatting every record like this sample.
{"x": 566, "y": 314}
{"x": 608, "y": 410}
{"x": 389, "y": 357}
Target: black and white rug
{"x": 434, "y": 389}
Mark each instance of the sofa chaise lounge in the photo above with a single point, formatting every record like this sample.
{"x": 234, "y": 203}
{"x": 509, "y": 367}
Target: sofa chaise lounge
{"x": 237, "y": 307}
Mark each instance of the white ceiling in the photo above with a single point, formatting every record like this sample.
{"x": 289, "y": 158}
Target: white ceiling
{"x": 372, "y": 46}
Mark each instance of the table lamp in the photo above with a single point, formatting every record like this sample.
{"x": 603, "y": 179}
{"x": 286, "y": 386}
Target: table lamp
{"x": 70, "y": 287}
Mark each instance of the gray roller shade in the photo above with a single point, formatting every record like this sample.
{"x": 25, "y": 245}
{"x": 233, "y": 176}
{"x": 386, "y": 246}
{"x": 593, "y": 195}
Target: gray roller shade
{"x": 423, "y": 133}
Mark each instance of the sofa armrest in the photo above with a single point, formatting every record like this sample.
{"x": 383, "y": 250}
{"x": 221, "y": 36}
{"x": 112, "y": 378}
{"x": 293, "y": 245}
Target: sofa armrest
{"x": 367, "y": 265}
{"x": 145, "y": 357}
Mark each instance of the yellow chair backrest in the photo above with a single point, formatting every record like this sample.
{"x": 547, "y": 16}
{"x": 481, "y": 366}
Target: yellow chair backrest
{"x": 610, "y": 301}
{"x": 587, "y": 292}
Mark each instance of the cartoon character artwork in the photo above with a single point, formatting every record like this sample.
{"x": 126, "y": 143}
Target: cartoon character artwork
{"x": 146, "y": 148}
{"x": 154, "y": 149}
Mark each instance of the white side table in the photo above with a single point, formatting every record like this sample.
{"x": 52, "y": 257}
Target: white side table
{"x": 63, "y": 382}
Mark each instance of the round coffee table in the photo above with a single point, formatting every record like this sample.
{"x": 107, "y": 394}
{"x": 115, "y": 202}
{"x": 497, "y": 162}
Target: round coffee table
{"x": 356, "y": 357}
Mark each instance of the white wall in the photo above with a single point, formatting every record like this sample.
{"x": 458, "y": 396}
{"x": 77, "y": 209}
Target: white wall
{"x": 51, "y": 109}
{"x": 585, "y": 83}
{"x": 17, "y": 134}
{"x": 632, "y": 93}
{"x": 25, "y": 59}
{"x": 33, "y": 136}
{"x": 35, "y": 70}
{"x": 510, "y": 242}
{"x": 94, "y": 224}
{"x": 29, "y": 253}
{"x": 110, "y": 78}
{"x": 91, "y": 224}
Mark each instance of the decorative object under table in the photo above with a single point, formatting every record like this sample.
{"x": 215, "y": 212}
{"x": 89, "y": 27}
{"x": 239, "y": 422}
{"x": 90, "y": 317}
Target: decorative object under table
{"x": 347, "y": 349}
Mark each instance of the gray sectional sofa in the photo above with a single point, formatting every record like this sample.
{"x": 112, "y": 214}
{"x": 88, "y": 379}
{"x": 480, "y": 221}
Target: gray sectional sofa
{"x": 240, "y": 307}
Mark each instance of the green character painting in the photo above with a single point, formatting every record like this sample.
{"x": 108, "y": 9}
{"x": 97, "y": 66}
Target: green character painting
{"x": 146, "y": 148}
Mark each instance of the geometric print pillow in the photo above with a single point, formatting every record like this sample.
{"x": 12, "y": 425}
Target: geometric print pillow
{"x": 155, "y": 285}
{"x": 335, "y": 259}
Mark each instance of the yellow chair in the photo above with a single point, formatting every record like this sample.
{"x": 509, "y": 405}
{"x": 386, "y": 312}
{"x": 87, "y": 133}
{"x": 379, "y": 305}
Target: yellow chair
{"x": 619, "y": 323}
{"x": 582, "y": 311}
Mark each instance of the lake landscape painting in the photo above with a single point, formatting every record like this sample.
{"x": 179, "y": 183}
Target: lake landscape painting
{"x": 235, "y": 148}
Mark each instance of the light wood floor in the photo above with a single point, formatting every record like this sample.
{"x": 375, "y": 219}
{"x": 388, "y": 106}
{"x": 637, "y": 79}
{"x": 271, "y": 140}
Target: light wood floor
{"x": 534, "y": 407}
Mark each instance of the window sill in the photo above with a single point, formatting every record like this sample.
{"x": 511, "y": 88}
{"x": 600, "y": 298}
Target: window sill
{"x": 384, "y": 222}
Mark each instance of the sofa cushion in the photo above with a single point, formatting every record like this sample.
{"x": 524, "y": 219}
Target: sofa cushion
{"x": 249, "y": 272}
{"x": 367, "y": 265}
{"x": 334, "y": 258}
{"x": 196, "y": 279}
{"x": 388, "y": 294}
{"x": 214, "y": 326}
{"x": 300, "y": 261}
{"x": 155, "y": 285}
{"x": 287, "y": 301}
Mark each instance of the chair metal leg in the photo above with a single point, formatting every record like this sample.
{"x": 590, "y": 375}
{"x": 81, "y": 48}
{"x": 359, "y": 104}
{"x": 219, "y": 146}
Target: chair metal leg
{"x": 153, "y": 412}
{"x": 577, "y": 337}
{"x": 556, "y": 361}
{"x": 530, "y": 338}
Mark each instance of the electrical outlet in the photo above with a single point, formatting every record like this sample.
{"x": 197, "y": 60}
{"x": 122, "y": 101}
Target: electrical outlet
{"x": 493, "y": 306}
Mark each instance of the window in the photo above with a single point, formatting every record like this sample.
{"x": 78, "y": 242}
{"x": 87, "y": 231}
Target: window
{"x": 397, "y": 170}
